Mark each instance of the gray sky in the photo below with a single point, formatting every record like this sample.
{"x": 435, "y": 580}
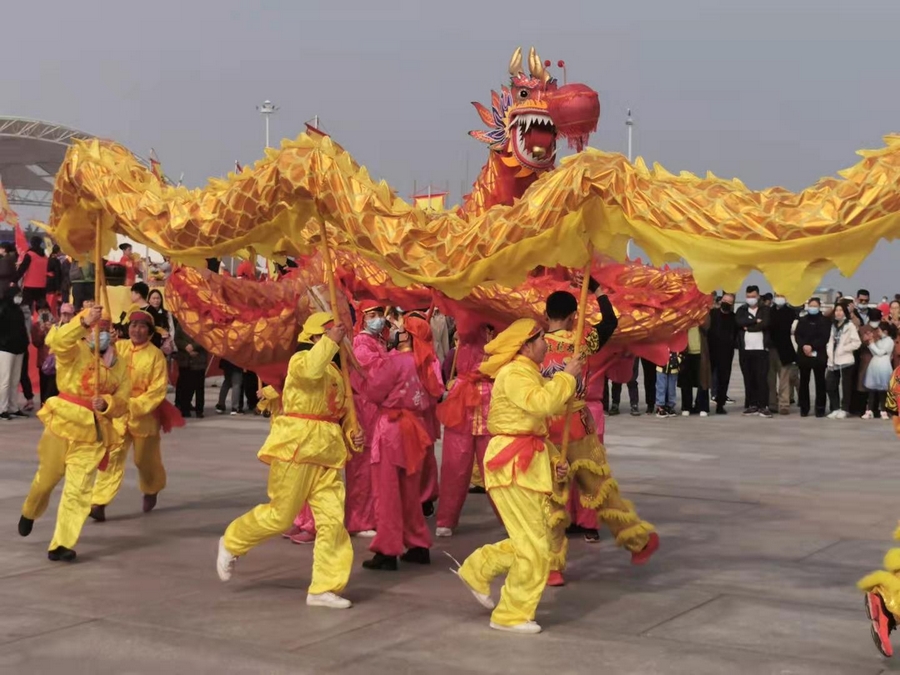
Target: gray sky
{"x": 775, "y": 92}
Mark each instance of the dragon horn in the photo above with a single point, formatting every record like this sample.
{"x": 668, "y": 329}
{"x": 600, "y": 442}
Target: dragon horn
{"x": 536, "y": 66}
{"x": 515, "y": 63}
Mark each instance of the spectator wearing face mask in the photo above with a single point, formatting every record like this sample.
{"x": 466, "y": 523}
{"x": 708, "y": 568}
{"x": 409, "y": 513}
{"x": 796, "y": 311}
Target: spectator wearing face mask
{"x": 842, "y": 343}
{"x": 783, "y": 373}
{"x": 722, "y": 339}
{"x": 9, "y": 273}
{"x": 753, "y": 322}
{"x": 13, "y": 344}
{"x": 880, "y": 344}
{"x": 811, "y": 334}
{"x": 866, "y": 336}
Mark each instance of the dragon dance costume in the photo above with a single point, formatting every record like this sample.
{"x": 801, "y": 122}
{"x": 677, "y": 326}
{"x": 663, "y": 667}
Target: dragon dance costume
{"x": 519, "y": 476}
{"x": 141, "y": 425}
{"x": 75, "y": 438}
{"x": 305, "y": 450}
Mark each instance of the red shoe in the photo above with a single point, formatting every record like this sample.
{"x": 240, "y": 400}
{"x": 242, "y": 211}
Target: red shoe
{"x": 291, "y": 532}
{"x": 881, "y": 630}
{"x": 303, "y": 537}
{"x": 556, "y": 579}
{"x": 641, "y": 557}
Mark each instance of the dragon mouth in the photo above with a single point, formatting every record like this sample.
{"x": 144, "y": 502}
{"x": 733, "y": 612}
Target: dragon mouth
{"x": 534, "y": 139}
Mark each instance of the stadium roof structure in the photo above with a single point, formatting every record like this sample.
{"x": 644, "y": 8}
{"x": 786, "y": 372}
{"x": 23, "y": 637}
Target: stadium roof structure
{"x": 31, "y": 152}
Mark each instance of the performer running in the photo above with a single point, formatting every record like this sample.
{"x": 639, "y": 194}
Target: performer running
{"x": 464, "y": 415}
{"x": 142, "y": 424}
{"x": 404, "y": 384}
{"x": 587, "y": 456}
{"x": 882, "y": 590}
{"x": 520, "y": 465}
{"x": 78, "y": 427}
{"x": 306, "y": 450}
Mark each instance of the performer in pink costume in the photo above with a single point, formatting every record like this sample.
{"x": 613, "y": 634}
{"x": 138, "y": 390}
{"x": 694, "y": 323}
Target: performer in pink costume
{"x": 464, "y": 416}
{"x": 369, "y": 349}
{"x": 404, "y": 384}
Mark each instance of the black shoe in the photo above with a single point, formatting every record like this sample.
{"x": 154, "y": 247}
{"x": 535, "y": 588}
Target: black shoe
{"x": 804, "y": 413}
{"x": 574, "y": 529}
{"x": 220, "y": 409}
{"x": 5, "y": 416}
{"x": 751, "y": 411}
{"x": 477, "y": 490}
{"x": 591, "y": 536}
{"x": 765, "y": 412}
{"x": 820, "y": 413}
{"x": 61, "y": 553}
{"x": 186, "y": 414}
{"x": 98, "y": 512}
{"x": 200, "y": 414}
{"x": 19, "y": 413}
{"x": 381, "y": 562}
{"x": 635, "y": 412}
{"x": 149, "y": 503}
{"x": 613, "y": 410}
{"x": 670, "y": 412}
{"x": 417, "y": 555}
{"x": 651, "y": 409}
{"x": 25, "y": 525}
{"x": 428, "y": 509}
{"x": 721, "y": 411}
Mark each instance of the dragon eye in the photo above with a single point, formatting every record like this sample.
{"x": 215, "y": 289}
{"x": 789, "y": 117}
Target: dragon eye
{"x": 523, "y": 93}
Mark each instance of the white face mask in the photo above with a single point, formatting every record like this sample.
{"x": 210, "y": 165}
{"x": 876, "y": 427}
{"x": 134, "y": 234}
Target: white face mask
{"x": 18, "y": 299}
{"x": 780, "y": 302}
{"x": 376, "y": 325}
{"x": 752, "y": 302}
{"x": 874, "y": 324}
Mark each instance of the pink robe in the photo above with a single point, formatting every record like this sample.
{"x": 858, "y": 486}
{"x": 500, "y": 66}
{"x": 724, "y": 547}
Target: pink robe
{"x": 429, "y": 486}
{"x": 394, "y": 386}
{"x": 467, "y": 442}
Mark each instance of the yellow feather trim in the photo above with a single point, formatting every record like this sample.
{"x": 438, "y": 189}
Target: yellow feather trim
{"x": 600, "y": 469}
{"x": 634, "y": 538}
{"x": 598, "y": 500}
{"x": 892, "y": 560}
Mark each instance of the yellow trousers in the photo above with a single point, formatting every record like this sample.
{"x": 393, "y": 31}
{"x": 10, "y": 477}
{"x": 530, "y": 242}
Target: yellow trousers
{"x": 147, "y": 459}
{"x": 58, "y": 457}
{"x": 291, "y": 486}
{"x": 599, "y": 491}
{"x": 886, "y": 582}
{"x": 524, "y": 557}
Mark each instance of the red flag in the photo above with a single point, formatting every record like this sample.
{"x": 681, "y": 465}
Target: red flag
{"x": 21, "y": 242}
{"x": 156, "y": 167}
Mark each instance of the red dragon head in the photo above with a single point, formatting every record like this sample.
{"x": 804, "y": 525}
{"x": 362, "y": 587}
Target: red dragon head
{"x": 526, "y": 118}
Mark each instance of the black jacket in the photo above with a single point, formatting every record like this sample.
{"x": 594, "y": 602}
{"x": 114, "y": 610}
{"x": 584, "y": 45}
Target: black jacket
{"x": 13, "y": 333}
{"x": 781, "y": 319}
{"x": 722, "y": 336}
{"x": 814, "y": 331}
{"x": 9, "y": 276}
{"x": 759, "y": 323}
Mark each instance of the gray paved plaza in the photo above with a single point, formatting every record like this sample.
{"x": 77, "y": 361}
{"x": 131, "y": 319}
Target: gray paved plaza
{"x": 766, "y": 525}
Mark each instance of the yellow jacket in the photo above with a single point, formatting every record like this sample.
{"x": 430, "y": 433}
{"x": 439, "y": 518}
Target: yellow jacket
{"x": 149, "y": 381}
{"x": 521, "y": 403}
{"x": 270, "y": 402}
{"x": 75, "y": 377}
{"x": 314, "y": 388}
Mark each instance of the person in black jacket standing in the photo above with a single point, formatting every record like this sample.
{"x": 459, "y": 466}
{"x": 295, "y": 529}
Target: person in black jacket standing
{"x": 722, "y": 339}
{"x": 783, "y": 357}
{"x": 753, "y": 323}
{"x": 811, "y": 335}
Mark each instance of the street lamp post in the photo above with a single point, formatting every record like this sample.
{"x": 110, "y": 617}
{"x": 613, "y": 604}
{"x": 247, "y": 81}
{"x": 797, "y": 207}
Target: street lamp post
{"x": 266, "y": 110}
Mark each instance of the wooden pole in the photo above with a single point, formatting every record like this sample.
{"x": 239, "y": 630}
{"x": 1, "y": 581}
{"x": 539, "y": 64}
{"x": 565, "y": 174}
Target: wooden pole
{"x": 345, "y": 359}
{"x": 98, "y": 295}
{"x": 453, "y": 365}
{"x": 579, "y": 345}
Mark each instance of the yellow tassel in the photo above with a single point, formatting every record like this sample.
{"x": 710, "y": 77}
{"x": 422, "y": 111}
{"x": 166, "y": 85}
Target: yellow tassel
{"x": 600, "y": 469}
{"x": 617, "y": 516}
{"x": 598, "y": 500}
{"x": 892, "y": 560}
{"x": 639, "y": 531}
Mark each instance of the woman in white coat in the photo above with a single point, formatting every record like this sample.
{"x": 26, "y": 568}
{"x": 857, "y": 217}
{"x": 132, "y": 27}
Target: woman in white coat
{"x": 878, "y": 374}
{"x": 843, "y": 342}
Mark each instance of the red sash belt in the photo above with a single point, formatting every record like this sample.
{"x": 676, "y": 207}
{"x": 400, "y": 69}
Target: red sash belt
{"x": 465, "y": 395}
{"x": 522, "y": 450}
{"x": 168, "y": 416}
{"x": 314, "y": 418}
{"x": 416, "y": 439}
{"x": 85, "y": 403}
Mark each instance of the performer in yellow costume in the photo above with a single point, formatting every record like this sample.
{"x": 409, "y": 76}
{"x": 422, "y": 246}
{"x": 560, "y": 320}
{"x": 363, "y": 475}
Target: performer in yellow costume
{"x": 519, "y": 474}
{"x": 586, "y": 454}
{"x": 78, "y": 428}
{"x": 306, "y": 450}
{"x": 140, "y": 426}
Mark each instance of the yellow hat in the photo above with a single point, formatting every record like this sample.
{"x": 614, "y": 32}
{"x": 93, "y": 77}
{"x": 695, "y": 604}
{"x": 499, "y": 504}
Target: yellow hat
{"x": 316, "y": 324}
{"x": 503, "y": 348}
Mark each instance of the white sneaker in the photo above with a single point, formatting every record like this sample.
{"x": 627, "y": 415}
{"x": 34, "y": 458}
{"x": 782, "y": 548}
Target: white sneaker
{"x": 225, "y": 561}
{"x": 443, "y": 532}
{"x": 703, "y": 413}
{"x": 365, "y": 534}
{"x": 833, "y": 414}
{"x": 527, "y": 628}
{"x": 841, "y": 415}
{"x": 328, "y": 599}
{"x": 884, "y": 415}
{"x": 685, "y": 413}
{"x": 485, "y": 601}
{"x": 868, "y": 415}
